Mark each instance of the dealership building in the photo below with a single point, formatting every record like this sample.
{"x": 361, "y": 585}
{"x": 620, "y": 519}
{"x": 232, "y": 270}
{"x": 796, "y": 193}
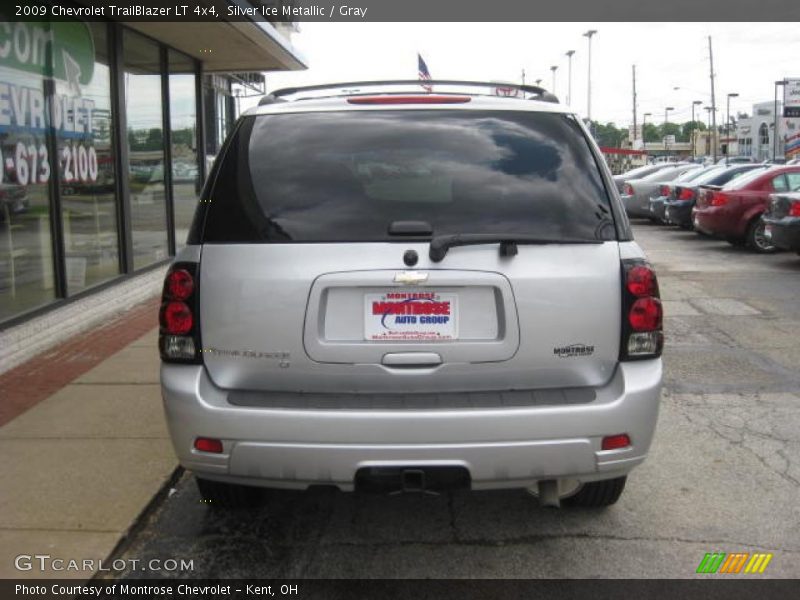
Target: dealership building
{"x": 106, "y": 131}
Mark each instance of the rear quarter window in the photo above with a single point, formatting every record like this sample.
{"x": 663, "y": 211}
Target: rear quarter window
{"x": 346, "y": 176}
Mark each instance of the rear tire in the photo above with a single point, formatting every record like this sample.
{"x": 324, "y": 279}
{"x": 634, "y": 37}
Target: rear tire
{"x": 596, "y": 494}
{"x": 227, "y": 495}
{"x": 757, "y": 241}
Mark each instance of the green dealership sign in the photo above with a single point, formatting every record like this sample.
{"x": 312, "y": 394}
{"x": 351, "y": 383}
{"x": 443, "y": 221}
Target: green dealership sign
{"x": 60, "y": 49}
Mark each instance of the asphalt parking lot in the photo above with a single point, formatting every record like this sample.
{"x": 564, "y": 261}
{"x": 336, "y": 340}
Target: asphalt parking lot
{"x": 723, "y": 474}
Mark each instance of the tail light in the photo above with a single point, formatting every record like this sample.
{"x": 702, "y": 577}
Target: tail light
{"x": 718, "y": 199}
{"x": 179, "y": 331}
{"x": 627, "y": 189}
{"x": 794, "y": 209}
{"x": 642, "y": 313}
{"x": 664, "y": 191}
{"x": 686, "y": 194}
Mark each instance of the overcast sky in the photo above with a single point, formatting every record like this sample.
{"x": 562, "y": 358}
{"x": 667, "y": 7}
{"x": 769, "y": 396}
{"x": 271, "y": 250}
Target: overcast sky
{"x": 748, "y": 58}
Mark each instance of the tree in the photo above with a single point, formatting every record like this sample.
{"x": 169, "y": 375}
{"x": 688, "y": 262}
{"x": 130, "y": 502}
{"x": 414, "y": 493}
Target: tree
{"x": 651, "y": 133}
{"x": 689, "y": 126}
{"x": 608, "y": 135}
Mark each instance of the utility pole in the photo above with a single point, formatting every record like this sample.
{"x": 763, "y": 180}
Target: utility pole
{"x": 589, "y": 35}
{"x": 713, "y": 102}
{"x": 634, "y": 107}
{"x": 569, "y": 76}
{"x": 554, "y": 68}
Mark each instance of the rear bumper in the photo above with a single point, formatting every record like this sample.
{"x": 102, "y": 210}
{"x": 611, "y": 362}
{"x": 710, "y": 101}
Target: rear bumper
{"x": 785, "y": 233}
{"x": 718, "y": 221}
{"x": 636, "y": 205}
{"x": 680, "y": 211}
{"x": 500, "y": 447}
{"x": 658, "y": 207}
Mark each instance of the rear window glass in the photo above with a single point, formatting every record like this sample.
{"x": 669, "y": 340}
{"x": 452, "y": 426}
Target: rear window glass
{"x": 730, "y": 174}
{"x": 346, "y": 176}
{"x": 667, "y": 174}
{"x": 695, "y": 174}
{"x": 743, "y": 180}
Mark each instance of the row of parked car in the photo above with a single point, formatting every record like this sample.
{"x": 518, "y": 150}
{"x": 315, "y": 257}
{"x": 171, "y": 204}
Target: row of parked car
{"x": 756, "y": 205}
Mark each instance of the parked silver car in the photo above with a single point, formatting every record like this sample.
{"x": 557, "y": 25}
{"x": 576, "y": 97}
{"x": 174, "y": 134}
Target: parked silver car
{"x": 412, "y": 290}
{"x": 638, "y": 173}
{"x": 636, "y": 193}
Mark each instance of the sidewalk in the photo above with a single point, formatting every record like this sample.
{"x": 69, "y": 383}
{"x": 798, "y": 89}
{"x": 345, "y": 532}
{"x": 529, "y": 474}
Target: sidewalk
{"x": 84, "y": 445}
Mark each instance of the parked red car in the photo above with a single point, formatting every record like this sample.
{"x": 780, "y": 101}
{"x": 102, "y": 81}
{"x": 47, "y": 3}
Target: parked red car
{"x": 734, "y": 211}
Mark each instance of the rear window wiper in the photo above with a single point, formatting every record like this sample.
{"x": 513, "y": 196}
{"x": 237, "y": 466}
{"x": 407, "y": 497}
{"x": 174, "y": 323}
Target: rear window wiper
{"x": 440, "y": 244}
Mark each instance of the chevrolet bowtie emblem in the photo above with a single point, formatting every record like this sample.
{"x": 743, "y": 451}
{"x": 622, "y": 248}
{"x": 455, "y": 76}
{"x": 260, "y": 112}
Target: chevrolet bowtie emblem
{"x": 410, "y": 277}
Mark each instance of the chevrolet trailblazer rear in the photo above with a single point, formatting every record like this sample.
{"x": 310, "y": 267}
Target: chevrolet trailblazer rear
{"x": 412, "y": 291}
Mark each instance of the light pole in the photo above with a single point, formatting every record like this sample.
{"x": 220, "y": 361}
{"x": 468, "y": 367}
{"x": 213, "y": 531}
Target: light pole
{"x": 553, "y": 69}
{"x": 538, "y": 82}
{"x": 775, "y": 120}
{"x": 569, "y": 76}
{"x": 589, "y": 35}
{"x": 666, "y": 112}
{"x": 695, "y": 103}
{"x": 728, "y": 125}
{"x": 644, "y": 139}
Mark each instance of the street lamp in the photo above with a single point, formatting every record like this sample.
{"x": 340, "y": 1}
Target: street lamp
{"x": 538, "y": 82}
{"x": 728, "y": 125}
{"x": 666, "y": 112}
{"x": 695, "y": 103}
{"x": 553, "y": 69}
{"x": 569, "y": 76}
{"x": 775, "y": 120}
{"x": 644, "y": 139}
{"x": 589, "y": 35}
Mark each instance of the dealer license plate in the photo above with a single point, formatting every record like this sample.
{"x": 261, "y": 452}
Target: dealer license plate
{"x": 420, "y": 316}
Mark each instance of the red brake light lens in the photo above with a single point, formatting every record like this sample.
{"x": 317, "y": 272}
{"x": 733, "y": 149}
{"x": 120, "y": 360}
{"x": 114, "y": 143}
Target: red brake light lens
{"x": 646, "y": 314}
{"x": 794, "y": 209}
{"x": 208, "y": 445}
{"x": 665, "y": 190}
{"x": 718, "y": 199}
{"x": 410, "y": 99}
{"x": 627, "y": 189}
{"x": 641, "y": 281}
{"x": 615, "y": 442}
{"x": 686, "y": 194}
{"x": 176, "y": 318}
{"x": 180, "y": 284}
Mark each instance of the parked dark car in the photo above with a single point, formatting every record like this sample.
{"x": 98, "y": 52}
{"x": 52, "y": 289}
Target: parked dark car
{"x": 782, "y": 221}
{"x": 678, "y": 208}
{"x": 638, "y": 173}
{"x": 665, "y": 190}
{"x": 13, "y": 200}
{"x": 734, "y": 211}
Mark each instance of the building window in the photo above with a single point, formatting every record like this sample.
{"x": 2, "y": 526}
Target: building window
{"x": 183, "y": 132}
{"x": 86, "y": 158}
{"x": 144, "y": 113}
{"x": 26, "y": 167}
{"x": 763, "y": 134}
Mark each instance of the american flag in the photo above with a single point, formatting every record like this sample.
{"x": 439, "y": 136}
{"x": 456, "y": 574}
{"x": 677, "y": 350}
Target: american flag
{"x": 424, "y": 74}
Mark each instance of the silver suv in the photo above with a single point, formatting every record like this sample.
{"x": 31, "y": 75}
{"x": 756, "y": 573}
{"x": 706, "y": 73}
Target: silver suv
{"x": 411, "y": 290}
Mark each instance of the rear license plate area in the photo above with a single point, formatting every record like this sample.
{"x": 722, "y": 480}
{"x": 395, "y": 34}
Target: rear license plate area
{"x": 418, "y": 316}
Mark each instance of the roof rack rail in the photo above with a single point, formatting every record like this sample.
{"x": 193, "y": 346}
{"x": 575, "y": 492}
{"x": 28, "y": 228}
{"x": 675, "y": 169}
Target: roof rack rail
{"x": 540, "y": 93}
